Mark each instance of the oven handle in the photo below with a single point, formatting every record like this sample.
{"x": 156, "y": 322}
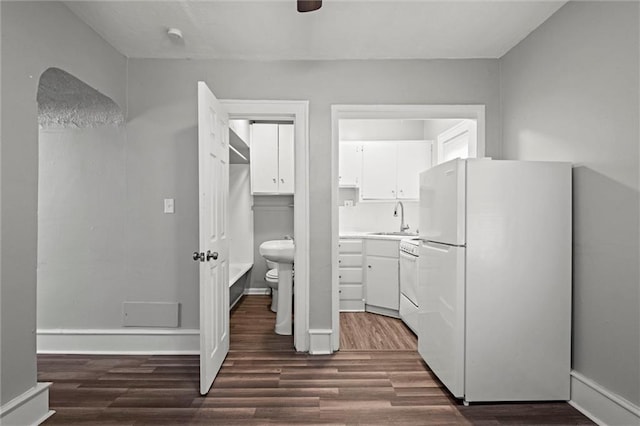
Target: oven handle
{"x": 408, "y": 256}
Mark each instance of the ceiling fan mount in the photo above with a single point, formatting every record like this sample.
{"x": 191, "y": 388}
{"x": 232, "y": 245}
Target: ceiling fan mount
{"x": 309, "y": 5}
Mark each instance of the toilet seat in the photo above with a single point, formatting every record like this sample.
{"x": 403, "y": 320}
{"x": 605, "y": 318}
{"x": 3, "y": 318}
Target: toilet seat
{"x": 272, "y": 274}
{"x": 271, "y": 277}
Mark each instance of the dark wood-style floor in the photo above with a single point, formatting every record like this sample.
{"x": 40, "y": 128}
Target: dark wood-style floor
{"x": 376, "y": 378}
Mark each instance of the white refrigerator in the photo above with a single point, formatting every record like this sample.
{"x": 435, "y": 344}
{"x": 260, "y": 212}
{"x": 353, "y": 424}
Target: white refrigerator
{"x": 494, "y": 290}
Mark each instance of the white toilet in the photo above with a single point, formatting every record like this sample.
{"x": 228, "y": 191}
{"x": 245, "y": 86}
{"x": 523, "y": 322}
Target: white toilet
{"x": 271, "y": 277}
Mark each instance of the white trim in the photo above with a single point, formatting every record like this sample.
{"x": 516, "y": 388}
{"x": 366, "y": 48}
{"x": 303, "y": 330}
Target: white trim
{"x": 320, "y": 342}
{"x": 257, "y": 291}
{"x": 406, "y": 112}
{"x": 382, "y": 311}
{"x": 135, "y": 341}
{"x": 466, "y": 126}
{"x": 299, "y": 111}
{"x": 600, "y": 404}
{"x": 30, "y": 408}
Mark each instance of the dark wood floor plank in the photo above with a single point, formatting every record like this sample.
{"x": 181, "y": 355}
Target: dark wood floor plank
{"x": 377, "y": 378}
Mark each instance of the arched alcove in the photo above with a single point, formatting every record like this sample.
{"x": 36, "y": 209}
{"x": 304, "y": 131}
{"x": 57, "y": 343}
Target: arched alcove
{"x": 67, "y": 102}
{"x": 81, "y": 206}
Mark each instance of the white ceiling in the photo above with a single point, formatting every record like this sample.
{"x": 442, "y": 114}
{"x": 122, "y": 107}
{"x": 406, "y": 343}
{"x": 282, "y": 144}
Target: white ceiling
{"x": 341, "y": 29}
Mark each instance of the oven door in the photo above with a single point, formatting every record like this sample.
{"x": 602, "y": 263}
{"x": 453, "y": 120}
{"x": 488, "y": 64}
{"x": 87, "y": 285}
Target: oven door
{"x": 409, "y": 276}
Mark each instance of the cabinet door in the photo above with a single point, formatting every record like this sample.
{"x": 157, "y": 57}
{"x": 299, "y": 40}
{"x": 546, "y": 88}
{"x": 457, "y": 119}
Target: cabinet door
{"x": 382, "y": 282}
{"x": 378, "y": 171}
{"x": 264, "y": 158}
{"x": 350, "y": 164}
{"x": 413, "y": 158}
{"x": 286, "y": 159}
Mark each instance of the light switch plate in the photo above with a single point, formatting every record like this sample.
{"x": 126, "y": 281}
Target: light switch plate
{"x": 169, "y": 206}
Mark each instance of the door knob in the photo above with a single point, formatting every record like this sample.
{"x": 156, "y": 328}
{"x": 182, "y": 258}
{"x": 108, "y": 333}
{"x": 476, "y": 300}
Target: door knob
{"x": 198, "y": 256}
{"x": 213, "y": 255}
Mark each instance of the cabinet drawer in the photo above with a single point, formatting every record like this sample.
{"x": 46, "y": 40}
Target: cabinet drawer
{"x": 350, "y": 275}
{"x": 352, "y": 260}
{"x": 386, "y": 248}
{"x": 350, "y": 246}
{"x": 351, "y": 291}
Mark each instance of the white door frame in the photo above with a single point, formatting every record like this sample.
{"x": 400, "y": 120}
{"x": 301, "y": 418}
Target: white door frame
{"x": 398, "y": 112}
{"x": 299, "y": 112}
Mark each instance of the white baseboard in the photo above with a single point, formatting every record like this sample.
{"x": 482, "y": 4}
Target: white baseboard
{"x": 382, "y": 311}
{"x": 600, "y": 404}
{"x": 137, "y": 341}
{"x": 30, "y": 408}
{"x": 257, "y": 291}
{"x": 320, "y": 341}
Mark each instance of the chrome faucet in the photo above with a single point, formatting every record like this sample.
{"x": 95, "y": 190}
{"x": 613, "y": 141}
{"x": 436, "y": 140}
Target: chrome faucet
{"x": 403, "y": 226}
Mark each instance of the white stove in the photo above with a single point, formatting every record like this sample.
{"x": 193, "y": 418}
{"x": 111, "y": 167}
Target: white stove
{"x": 410, "y": 245}
{"x": 409, "y": 250}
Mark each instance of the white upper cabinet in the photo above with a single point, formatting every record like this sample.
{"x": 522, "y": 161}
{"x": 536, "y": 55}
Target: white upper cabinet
{"x": 379, "y": 169}
{"x": 413, "y": 158}
{"x": 272, "y": 158}
{"x": 264, "y": 158}
{"x": 390, "y": 169}
{"x": 286, "y": 158}
{"x": 350, "y": 164}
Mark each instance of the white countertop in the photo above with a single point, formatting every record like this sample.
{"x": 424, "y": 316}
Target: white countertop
{"x": 369, "y": 235}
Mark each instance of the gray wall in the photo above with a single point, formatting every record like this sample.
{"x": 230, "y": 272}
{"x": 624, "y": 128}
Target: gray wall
{"x": 35, "y": 36}
{"x": 81, "y": 228}
{"x": 570, "y": 93}
{"x": 162, "y": 144}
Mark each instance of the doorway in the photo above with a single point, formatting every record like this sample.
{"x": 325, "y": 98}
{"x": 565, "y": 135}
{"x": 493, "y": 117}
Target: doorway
{"x": 396, "y": 139}
{"x": 296, "y": 112}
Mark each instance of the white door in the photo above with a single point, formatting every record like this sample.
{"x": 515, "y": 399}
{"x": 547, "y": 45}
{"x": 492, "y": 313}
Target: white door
{"x": 286, "y": 159}
{"x": 213, "y": 162}
{"x": 441, "y": 312}
{"x": 379, "y": 171}
{"x": 264, "y": 158}
{"x": 413, "y": 158}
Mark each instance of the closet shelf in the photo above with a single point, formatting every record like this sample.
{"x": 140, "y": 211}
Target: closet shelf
{"x": 238, "y": 149}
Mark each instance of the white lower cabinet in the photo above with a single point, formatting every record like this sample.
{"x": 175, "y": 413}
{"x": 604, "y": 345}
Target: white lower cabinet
{"x": 382, "y": 271}
{"x": 350, "y": 275}
{"x": 369, "y": 276}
